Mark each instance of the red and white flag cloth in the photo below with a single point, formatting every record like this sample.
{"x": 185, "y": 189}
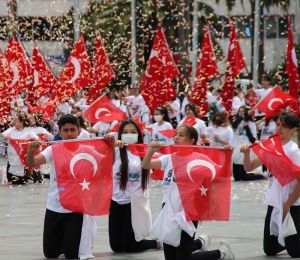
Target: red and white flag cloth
{"x": 157, "y": 87}
{"x": 206, "y": 70}
{"x": 234, "y": 64}
{"x": 274, "y": 102}
{"x": 48, "y": 109}
{"x": 5, "y": 98}
{"x": 203, "y": 177}
{"x": 292, "y": 70}
{"x": 76, "y": 74}
{"x": 20, "y": 74}
{"x": 102, "y": 71}
{"x": 272, "y": 155}
{"x": 84, "y": 175}
{"x": 103, "y": 110}
{"x": 44, "y": 79}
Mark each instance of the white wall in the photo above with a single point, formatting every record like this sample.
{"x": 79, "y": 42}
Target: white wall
{"x": 3, "y": 7}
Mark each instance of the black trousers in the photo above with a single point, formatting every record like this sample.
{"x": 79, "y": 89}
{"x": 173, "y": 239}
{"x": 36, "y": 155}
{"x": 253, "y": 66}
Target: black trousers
{"x": 62, "y": 234}
{"x": 292, "y": 243}
{"x": 121, "y": 234}
{"x": 240, "y": 174}
{"x": 14, "y": 179}
{"x": 207, "y": 255}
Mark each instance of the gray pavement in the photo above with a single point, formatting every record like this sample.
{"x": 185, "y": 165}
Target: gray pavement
{"x": 22, "y": 212}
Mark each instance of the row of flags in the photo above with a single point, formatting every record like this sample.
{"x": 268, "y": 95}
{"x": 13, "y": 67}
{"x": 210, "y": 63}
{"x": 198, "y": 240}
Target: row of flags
{"x": 18, "y": 73}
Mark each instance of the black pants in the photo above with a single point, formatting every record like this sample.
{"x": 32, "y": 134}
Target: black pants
{"x": 121, "y": 234}
{"x": 14, "y": 179}
{"x": 207, "y": 255}
{"x": 62, "y": 234}
{"x": 240, "y": 174}
{"x": 292, "y": 243}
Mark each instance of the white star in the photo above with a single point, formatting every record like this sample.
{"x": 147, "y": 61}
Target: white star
{"x": 85, "y": 185}
{"x": 203, "y": 191}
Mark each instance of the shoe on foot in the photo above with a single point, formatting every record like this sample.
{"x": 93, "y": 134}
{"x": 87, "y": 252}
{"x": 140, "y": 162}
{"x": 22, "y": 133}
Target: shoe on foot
{"x": 226, "y": 253}
{"x": 205, "y": 241}
{"x": 159, "y": 245}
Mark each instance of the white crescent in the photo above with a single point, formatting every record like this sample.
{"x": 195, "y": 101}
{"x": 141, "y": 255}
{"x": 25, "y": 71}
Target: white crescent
{"x": 83, "y": 156}
{"x": 100, "y": 110}
{"x": 15, "y": 71}
{"x": 294, "y": 58}
{"x": 153, "y": 54}
{"x": 265, "y": 148}
{"x": 147, "y": 74}
{"x": 36, "y": 77}
{"x": 204, "y": 163}
{"x": 273, "y": 100}
{"x": 77, "y": 69}
{"x": 231, "y": 46}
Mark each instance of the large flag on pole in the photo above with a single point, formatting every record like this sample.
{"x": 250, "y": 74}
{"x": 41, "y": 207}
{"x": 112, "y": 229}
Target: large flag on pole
{"x": 274, "y": 102}
{"x": 4, "y": 91}
{"x": 102, "y": 71}
{"x": 84, "y": 176}
{"x": 76, "y": 74}
{"x": 206, "y": 70}
{"x": 291, "y": 64}
{"x": 19, "y": 67}
{"x": 44, "y": 79}
{"x": 234, "y": 64}
{"x": 157, "y": 87}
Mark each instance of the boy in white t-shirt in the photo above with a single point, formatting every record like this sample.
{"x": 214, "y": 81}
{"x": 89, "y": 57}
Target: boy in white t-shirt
{"x": 62, "y": 228}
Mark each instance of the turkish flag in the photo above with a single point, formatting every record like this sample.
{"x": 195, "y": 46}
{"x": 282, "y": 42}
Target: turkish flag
{"x": 272, "y": 155}
{"x": 48, "y": 109}
{"x": 5, "y": 97}
{"x": 170, "y": 133}
{"x": 203, "y": 177}
{"x": 189, "y": 121}
{"x": 44, "y": 79}
{"x": 157, "y": 87}
{"x": 234, "y": 64}
{"x": 206, "y": 70}
{"x": 76, "y": 74}
{"x": 21, "y": 146}
{"x": 19, "y": 67}
{"x": 103, "y": 110}
{"x": 274, "y": 102}
{"x": 84, "y": 175}
{"x": 291, "y": 64}
{"x": 102, "y": 71}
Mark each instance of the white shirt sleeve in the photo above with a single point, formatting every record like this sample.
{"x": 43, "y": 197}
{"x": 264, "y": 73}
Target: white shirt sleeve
{"x": 47, "y": 153}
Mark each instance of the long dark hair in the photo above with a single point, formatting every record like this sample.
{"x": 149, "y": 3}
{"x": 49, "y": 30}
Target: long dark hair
{"x": 124, "y": 157}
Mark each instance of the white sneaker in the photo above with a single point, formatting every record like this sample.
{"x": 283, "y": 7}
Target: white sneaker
{"x": 205, "y": 239}
{"x": 226, "y": 253}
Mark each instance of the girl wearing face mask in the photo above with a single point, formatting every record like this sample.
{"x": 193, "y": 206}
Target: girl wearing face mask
{"x": 161, "y": 123}
{"x": 128, "y": 175}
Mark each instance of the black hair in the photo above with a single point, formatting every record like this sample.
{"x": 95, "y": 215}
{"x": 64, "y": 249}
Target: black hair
{"x": 68, "y": 119}
{"x": 288, "y": 120}
{"x": 220, "y": 118}
{"x": 23, "y": 118}
{"x": 124, "y": 156}
{"x": 191, "y": 132}
{"x": 266, "y": 77}
{"x": 81, "y": 122}
{"x": 164, "y": 112}
{"x": 192, "y": 107}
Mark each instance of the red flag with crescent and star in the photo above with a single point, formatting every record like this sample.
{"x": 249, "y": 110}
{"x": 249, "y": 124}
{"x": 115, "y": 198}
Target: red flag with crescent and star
{"x": 76, "y": 74}
{"x": 272, "y": 155}
{"x": 19, "y": 67}
{"x": 291, "y": 64}
{"x": 274, "y": 102}
{"x": 206, "y": 70}
{"x": 102, "y": 71}
{"x": 103, "y": 110}
{"x": 234, "y": 64}
{"x": 44, "y": 78}
{"x": 203, "y": 177}
{"x": 84, "y": 175}
{"x": 157, "y": 87}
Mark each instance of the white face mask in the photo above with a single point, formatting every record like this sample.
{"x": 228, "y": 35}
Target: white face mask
{"x": 129, "y": 138}
{"x": 157, "y": 118}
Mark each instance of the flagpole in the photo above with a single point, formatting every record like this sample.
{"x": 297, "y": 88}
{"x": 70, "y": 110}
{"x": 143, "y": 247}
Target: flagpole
{"x": 133, "y": 43}
{"x": 256, "y": 43}
{"x": 76, "y": 17}
{"x": 195, "y": 40}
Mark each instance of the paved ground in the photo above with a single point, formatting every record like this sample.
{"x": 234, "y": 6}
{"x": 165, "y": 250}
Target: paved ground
{"x": 22, "y": 212}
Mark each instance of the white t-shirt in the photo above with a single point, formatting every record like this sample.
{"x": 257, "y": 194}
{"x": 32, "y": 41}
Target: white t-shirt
{"x": 16, "y": 165}
{"x": 53, "y": 202}
{"x": 261, "y": 94}
{"x": 134, "y": 182}
{"x": 224, "y": 133}
{"x": 157, "y": 136}
{"x": 200, "y": 126}
{"x": 83, "y": 134}
{"x": 237, "y": 102}
{"x": 135, "y": 104}
{"x": 103, "y": 127}
{"x": 41, "y": 130}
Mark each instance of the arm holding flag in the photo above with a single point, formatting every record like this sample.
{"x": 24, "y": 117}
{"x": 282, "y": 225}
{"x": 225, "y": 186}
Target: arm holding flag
{"x": 32, "y": 160}
{"x": 149, "y": 163}
{"x": 249, "y": 164}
